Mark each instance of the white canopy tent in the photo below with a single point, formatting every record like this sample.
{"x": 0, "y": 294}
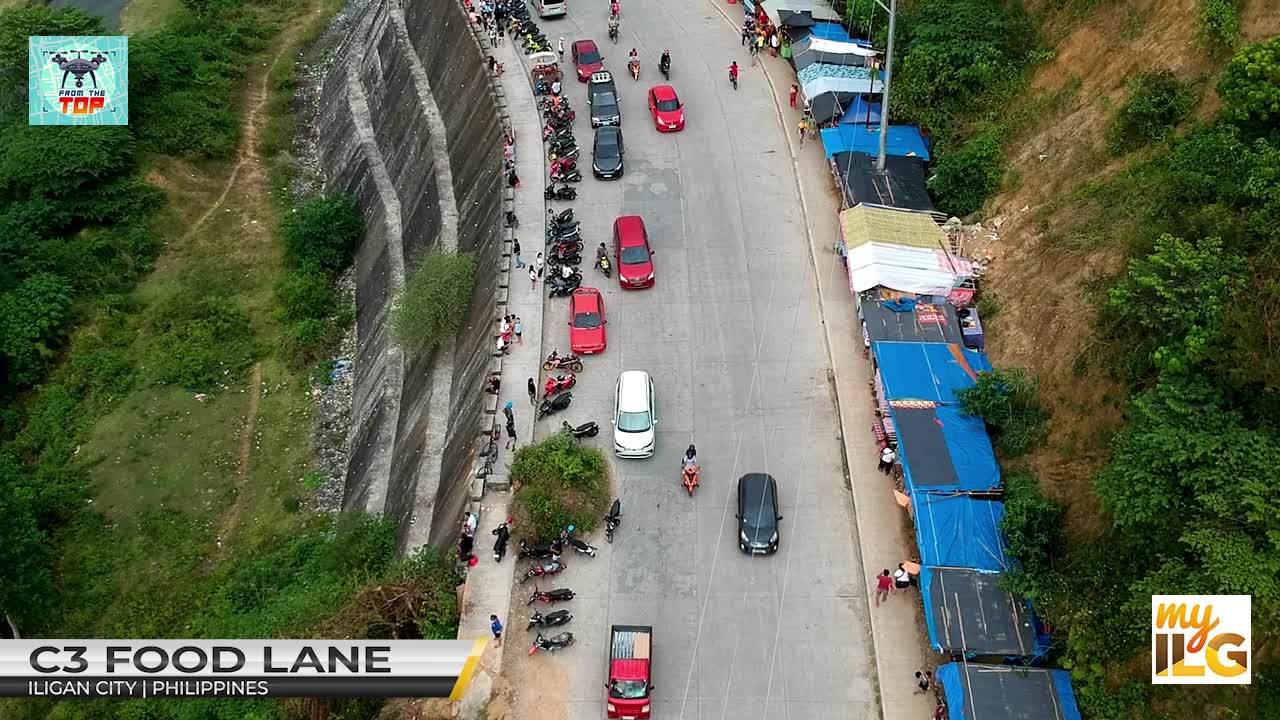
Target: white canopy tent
{"x": 835, "y": 47}
{"x": 905, "y": 269}
{"x": 818, "y": 86}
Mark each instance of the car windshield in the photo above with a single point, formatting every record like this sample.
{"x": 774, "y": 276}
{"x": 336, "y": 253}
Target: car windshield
{"x": 634, "y": 422}
{"x": 587, "y": 320}
{"x": 629, "y": 689}
{"x": 635, "y": 255}
{"x": 757, "y": 513}
{"x": 668, "y": 105}
{"x": 607, "y": 148}
{"x": 588, "y": 57}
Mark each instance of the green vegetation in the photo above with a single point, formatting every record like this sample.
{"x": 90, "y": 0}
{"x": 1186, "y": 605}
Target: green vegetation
{"x": 1008, "y": 401}
{"x": 560, "y": 483}
{"x": 1218, "y": 25}
{"x": 319, "y": 239}
{"x": 435, "y": 299}
{"x": 1157, "y": 103}
{"x": 1191, "y": 488}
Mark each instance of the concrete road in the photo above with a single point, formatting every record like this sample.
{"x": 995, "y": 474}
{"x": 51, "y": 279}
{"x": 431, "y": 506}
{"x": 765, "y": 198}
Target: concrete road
{"x": 732, "y": 336}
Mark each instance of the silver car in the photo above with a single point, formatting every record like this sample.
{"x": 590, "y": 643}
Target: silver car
{"x": 634, "y": 418}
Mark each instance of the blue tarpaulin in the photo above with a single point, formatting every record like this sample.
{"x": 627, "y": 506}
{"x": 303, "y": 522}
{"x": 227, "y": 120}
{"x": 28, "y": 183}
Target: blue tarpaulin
{"x": 956, "y": 530}
{"x": 967, "y": 613}
{"x": 857, "y": 113}
{"x": 969, "y": 446}
{"x": 1002, "y": 692}
{"x": 902, "y": 140}
{"x": 833, "y": 31}
{"x": 927, "y": 371}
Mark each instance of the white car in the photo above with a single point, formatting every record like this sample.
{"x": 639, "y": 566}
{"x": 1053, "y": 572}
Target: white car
{"x": 633, "y": 415}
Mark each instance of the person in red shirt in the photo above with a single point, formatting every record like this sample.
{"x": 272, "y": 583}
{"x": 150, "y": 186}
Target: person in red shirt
{"x": 884, "y": 583}
{"x": 795, "y": 90}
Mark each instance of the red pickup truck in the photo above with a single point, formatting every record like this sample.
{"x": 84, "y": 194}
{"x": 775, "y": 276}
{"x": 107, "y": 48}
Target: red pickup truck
{"x": 630, "y": 671}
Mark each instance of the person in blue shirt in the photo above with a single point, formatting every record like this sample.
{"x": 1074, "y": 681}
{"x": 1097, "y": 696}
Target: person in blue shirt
{"x": 496, "y": 625}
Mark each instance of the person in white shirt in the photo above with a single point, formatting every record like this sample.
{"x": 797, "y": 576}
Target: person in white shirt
{"x": 901, "y": 578}
{"x": 887, "y": 457}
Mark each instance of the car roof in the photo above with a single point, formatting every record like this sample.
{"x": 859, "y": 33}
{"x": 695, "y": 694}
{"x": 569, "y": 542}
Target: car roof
{"x": 634, "y": 385}
{"x": 664, "y": 92}
{"x": 629, "y": 227}
{"x": 585, "y": 44}
{"x": 603, "y": 76}
{"x": 609, "y": 130}
{"x": 755, "y": 482}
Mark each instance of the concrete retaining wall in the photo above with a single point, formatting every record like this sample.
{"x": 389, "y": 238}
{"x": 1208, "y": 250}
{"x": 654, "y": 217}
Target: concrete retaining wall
{"x": 409, "y": 126}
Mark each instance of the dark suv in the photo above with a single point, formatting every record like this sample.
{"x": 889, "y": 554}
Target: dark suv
{"x": 602, "y": 96}
{"x": 758, "y": 513}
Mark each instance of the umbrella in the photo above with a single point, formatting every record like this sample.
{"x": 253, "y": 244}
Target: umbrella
{"x": 829, "y": 106}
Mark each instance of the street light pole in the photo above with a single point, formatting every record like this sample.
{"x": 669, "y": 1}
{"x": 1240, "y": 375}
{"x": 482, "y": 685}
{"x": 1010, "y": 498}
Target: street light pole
{"x": 888, "y": 79}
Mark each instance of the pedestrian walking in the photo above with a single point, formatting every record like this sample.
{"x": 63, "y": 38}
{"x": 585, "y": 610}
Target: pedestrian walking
{"x": 496, "y": 626}
{"x": 923, "y": 681}
{"x": 533, "y": 278}
{"x": 493, "y": 34}
{"x": 469, "y": 524}
{"x": 518, "y": 325}
{"x": 803, "y": 127}
{"x": 515, "y": 250}
{"x": 883, "y": 585}
{"x": 746, "y": 33}
{"x": 508, "y": 411}
{"x": 773, "y": 44}
{"x": 795, "y": 90}
{"x": 539, "y": 263}
{"x": 533, "y": 392}
{"x": 511, "y": 434}
{"x": 887, "y": 458}
{"x": 560, "y": 48}
{"x": 940, "y": 712}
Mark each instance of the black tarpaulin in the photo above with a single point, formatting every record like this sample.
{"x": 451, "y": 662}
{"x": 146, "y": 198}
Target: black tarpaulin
{"x": 923, "y": 448}
{"x": 829, "y": 106}
{"x": 923, "y": 323}
{"x": 902, "y": 185}
{"x": 969, "y": 613}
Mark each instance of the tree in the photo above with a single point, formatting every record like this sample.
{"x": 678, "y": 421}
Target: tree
{"x": 19, "y": 24}
{"x": 1250, "y": 87}
{"x": 24, "y": 548}
{"x": 1176, "y": 297}
{"x": 435, "y": 300}
{"x": 58, "y": 161}
{"x": 322, "y": 233}
{"x": 32, "y": 317}
{"x": 1008, "y": 401}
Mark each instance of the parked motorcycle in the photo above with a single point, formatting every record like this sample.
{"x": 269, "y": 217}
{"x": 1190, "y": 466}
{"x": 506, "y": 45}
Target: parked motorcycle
{"x": 555, "y": 567}
{"x": 557, "y": 260}
{"x": 559, "y": 642}
{"x": 581, "y": 546}
{"x": 503, "y": 534}
{"x": 550, "y": 596}
{"x": 570, "y": 362}
{"x": 611, "y": 521}
{"x": 605, "y": 266}
{"x": 564, "y": 288}
{"x": 555, "y": 405}
{"x": 551, "y": 619}
{"x": 572, "y": 176}
{"x": 564, "y": 192}
{"x": 568, "y": 148}
{"x": 558, "y": 384}
{"x": 540, "y": 551}
{"x": 563, "y": 246}
{"x": 564, "y": 237}
{"x": 563, "y": 226}
{"x": 560, "y": 219}
{"x": 587, "y": 429}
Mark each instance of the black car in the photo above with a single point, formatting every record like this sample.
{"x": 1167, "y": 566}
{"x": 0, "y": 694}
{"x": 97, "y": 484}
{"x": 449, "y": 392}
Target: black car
{"x": 607, "y": 152}
{"x": 602, "y": 96}
{"x": 758, "y": 513}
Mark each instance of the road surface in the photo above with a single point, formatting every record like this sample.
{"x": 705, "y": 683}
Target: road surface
{"x": 732, "y": 337}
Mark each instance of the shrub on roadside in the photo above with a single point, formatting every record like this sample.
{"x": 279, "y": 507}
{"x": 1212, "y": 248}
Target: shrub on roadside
{"x": 322, "y": 233}
{"x": 560, "y": 483}
{"x": 1218, "y": 24}
{"x": 306, "y": 295}
{"x": 1008, "y": 401}
{"x": 307, "y": 341}
{"x": 1156, "y": 104}
{"x": 1250, "y": 87}
{"x": 435, "y": 301}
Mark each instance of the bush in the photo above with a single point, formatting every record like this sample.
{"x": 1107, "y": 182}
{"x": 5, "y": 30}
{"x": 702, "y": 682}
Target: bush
{"x": 33, "y": 318}
{"x": 200, "y": 340}
{"x": 1250, "y": 87}
{"x": 1008, "y": 401}
{"x": 1157, "y": 102}
{"x": 560, "y": 483}
{"x": 965, "y": 177}
{"x": 17, "y": 24}
{"x": 322, "y": 233}
{"x": 306, "y": 295}
{"x": 1218, "y": 24}
{"x": 306, "y": 341}
{"x": 1032, "y": 524}
{"x": 61, "y": 160}
{"x": 435, "y": 300}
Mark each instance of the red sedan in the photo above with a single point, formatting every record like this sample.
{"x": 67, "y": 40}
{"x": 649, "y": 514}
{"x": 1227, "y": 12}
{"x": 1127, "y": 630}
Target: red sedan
{"x": 668, "y": 111}
{"x": 631, "y": 252}
{"x": 587, "y": 59}
{"x": 586, "y": 321}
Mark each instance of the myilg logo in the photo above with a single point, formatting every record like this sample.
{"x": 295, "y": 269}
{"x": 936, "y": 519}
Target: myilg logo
{"x": 1200, "y": 639}
{"x": 78, "y": 80}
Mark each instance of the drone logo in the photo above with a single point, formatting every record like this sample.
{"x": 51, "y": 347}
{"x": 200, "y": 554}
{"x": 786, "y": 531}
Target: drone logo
{"x": 79, "y": 67}
{"x": 78, "y": 80}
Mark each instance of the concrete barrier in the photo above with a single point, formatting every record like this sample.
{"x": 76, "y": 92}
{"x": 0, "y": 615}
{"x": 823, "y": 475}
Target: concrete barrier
{"x": 410, "y": 125}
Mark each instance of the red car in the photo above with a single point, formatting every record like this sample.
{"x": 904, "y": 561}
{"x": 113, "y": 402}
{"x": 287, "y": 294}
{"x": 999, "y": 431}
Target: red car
{"x": 586, "y": 58}
{"x": 586, "y": 321}
{"x": 631, "y": 252}
{"x": 668, "y": 111}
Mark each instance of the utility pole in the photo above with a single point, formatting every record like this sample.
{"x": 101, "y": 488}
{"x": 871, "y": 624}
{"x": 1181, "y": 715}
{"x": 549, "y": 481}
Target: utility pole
{"x": 888, "y": 78}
